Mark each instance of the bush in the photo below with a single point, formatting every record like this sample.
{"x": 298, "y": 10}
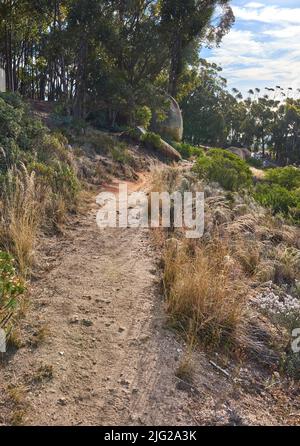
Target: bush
{"x": 287, "y": 177}
{"x": 225, "y": 168}
{"x": 277, "y": 198}
{"x": 253, "y": 162}
{"x": 187, "y": 151}
{"x": 11, "y": 287}
{"x": 152, "y": 140}
{"x": 121, "y": 154}
{"x": 143, "y": 116}
{"x": 36, "y": 174}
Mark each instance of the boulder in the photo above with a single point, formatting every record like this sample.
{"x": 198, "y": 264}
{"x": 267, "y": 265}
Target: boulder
{"x": 172, "y": 127}
{"x": 244, "y": 154}
{"x": 169, "y": 151}
{"x": 162, "y": 146}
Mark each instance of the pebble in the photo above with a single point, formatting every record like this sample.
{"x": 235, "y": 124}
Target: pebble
{"x": 87, "y": 322}
{"x": 62, "y": 401}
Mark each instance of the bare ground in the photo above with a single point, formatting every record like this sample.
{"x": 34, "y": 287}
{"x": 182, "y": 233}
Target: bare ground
{"x": 97, "y": 350}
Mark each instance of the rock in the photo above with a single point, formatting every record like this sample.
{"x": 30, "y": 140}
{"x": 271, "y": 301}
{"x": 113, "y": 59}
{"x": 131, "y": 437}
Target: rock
{"x": 87, "y": 322}
{"x": 244, "y": 154}
{"x": 62, "y": 402}
{"x": 169, "y": 151}
{"x": 74, "y": 320}
{"x": 172, "y": 126}
{"x": 121, "y": 329}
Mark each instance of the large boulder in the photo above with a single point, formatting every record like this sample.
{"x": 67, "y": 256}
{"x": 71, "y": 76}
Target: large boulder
{"x": 169, "y": 151}
{"x": 172, "y": 127}
{"x": 244, "y": 154}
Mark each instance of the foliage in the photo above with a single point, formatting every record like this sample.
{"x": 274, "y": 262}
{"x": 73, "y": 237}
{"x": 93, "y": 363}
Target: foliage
{"x": 152, "y": 140}
{"x": 188, "y": 151}
{"x": 37, "y": 179}
{"x": 280, "y": 191}
{"x": 287, "y": 177}
{"x": 225, "y": 168}
{"x": 121, "y": 154}
{"x": 106, "y": 56}
{"x": 278, "y": 199}
{"x": 269, "y": 123}
{"x": 11, "y": 287}
{"x": 253, "y": 162}
{"x": 143, "y": 116}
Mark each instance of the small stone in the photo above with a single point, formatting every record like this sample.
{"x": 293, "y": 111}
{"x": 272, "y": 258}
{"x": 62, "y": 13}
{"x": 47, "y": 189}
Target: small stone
{"x": 74, "y": 320}
{"x": 87, "y": 322}
{"x": 122, "y": 329}
{"x": 62, "y": 402}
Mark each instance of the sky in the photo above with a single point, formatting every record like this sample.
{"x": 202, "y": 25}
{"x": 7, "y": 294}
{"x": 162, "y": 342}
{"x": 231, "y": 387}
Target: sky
{"x": 263, "y": 47}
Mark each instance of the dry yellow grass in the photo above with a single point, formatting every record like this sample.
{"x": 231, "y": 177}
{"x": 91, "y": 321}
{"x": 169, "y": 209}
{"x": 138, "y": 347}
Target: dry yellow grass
{"x": 203, "y": 297}
{"x": 20, "y": 216}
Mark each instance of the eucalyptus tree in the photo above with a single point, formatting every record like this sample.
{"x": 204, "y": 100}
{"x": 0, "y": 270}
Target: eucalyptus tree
{"x": 184, "y": 23}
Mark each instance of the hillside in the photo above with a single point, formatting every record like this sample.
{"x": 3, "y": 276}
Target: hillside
{"x": 149, "y": 216}
{"x": 212, "y": 346}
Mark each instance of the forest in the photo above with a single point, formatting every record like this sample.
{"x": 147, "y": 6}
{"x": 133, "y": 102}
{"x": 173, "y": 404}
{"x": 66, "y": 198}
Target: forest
{"x": 103, "y": 60}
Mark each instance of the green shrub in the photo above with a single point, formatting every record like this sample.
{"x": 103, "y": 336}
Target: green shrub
{"x": 253, "y": 162}
{"x": 152, "y": 140}
{"x": 121, "y": 154}
{"x": 11, "y": 287}
{"x": 276, "y": 197}
{"x": 225, "y": 168}
{"x": 188, "y": 151}
{"x": 287, "y": 177}
{"x": 26, "y": 143}
{"x": 143, "y": 116}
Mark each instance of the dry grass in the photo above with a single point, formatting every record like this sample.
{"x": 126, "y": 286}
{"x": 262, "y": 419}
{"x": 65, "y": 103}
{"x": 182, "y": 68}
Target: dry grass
{"x": 203, "y": 297}
{"x": 164, "y": 179}
{"x": 17, "y": 401}
{"x": 20, "y": 216}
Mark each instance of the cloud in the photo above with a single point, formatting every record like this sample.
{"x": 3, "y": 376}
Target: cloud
{"x": 263, "y": 49}
{"x": 267, "y": 14}
{"x": 254, "y": 5}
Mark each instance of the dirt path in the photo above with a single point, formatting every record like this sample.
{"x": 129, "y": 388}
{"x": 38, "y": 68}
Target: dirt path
{"x": 96, "y": 350}
{"x": 113, "y": 362}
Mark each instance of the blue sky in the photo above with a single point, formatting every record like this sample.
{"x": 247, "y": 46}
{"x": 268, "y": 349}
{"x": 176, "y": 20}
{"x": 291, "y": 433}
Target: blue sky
{"x": 263, "y": 47}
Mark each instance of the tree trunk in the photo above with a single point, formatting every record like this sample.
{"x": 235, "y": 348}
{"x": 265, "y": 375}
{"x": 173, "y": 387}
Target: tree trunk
{"x": 176, "y": 66}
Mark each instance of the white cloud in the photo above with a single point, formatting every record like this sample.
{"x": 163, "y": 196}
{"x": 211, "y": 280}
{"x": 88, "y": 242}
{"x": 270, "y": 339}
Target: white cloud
{"x": 254, "y": 5}
{"x": 265, "y": 52}
{"x": 267, "y": 14}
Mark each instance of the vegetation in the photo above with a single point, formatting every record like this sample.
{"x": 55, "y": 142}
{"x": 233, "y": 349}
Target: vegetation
{"x": 38, "y": 187}
{"x": 112, "y": 56}
{"x": 152, "y": 140}
{"x": 263, "y": 121}
{"x": 203, "y": 298}
{"x": 207, "y": 281}
{"x": 11, "y": 288}
{"x": 188, "y": 151}
{"x": 280, "y": 192}
{"x": 143, "y": 116}
{"x": 225, "y": 168}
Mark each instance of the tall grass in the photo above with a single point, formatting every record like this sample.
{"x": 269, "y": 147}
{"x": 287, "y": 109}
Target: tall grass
{"x": 203, "y": 297}
{"x": 20, "y": 215}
